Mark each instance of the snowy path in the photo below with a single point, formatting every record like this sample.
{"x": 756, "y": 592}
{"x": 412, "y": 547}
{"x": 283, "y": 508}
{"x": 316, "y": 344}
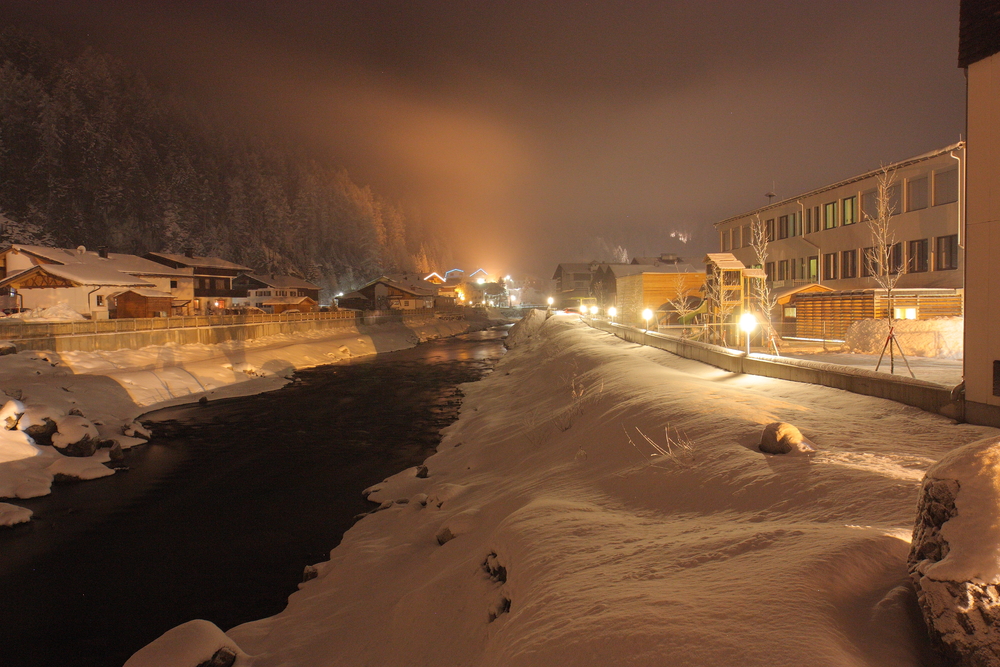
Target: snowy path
{"x": 589, "y": 549}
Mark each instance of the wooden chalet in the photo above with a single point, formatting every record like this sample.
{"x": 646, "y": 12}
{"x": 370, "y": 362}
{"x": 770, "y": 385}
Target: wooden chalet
{"x": 212, "y": 278}
{"x": 258, "y": 289}
{"x": 140, "y": 302}
{"x": 828, "y": 315}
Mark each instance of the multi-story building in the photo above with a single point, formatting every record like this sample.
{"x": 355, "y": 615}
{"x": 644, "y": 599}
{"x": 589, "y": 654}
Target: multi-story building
{"x": 979, "y": 54}
{"x": 823, "y": 237}
{"x": 213, "y": 279}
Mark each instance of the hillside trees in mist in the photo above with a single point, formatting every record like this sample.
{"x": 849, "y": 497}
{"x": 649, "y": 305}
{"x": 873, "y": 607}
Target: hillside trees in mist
{"x": 92, "y": 154}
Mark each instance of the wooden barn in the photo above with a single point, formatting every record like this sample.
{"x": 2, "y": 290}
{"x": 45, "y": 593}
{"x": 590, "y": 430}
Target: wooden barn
{"x": 138, "y": 302}
{"x": 654, "y": 289}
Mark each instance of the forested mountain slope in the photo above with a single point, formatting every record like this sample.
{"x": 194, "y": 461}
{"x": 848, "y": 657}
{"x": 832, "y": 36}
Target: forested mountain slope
{"x": 93, "y": 154}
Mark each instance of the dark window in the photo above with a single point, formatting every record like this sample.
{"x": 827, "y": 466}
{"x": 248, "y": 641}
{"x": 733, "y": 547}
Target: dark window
{"x": 945, "y": 187}
{"x": 918, "y": 257}
{"x": 809, "y": 221}
{"x": 896, "y": 258}
{"x": 747, "y": 236}
{"x": 796, "y": 224}
{"x": 173, "y": 284}
{"x": 725, "y": 241}
{"x": 916, "y": 194}
{"x": 769, "y": 270}
{"x": 783, "y": 227}
{"x": 769, "y": 226}
{"x": 894, "y": 199}
{"x": 100, "y": 300}
{"x": 849, "y": 211}
{"x": 869, "y": 205}
{"x": 737, "y": 242}
{"x": 830, "y": 266}
{"x": 849, "y": 264}
{"x": 996, "y": 378}
{"x": 830, "y": 215}
{"x": 947, "y": 253}
{"x": 869, "y": 262}
{"x": 783, "y": 270}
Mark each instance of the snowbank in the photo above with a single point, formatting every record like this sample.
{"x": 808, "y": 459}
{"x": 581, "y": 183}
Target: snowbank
{"x": 919, "y": 338}
{"x": 604, "y": 503}
{"x": 98, "y": 395}
{"x": 525, "y": 328}
{"x": 60, "y": 312}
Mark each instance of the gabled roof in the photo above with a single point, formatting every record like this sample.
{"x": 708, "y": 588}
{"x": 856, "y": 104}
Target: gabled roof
{"x": 289, "y": 300}
{"x": 81, "y": 274}
{"x": 146, "y": 292}
{"x": 575, "y": 267}
{"x": 282, "y": 282}
{"x": 405, "y": 285}
{"x": 783, "y": 292}
{"x": 131, "y": 264}
{"x": 200, "y": 262}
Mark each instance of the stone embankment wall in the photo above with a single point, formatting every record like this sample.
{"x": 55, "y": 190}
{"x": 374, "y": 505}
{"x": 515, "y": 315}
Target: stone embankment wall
{"x": 109, "y": 335}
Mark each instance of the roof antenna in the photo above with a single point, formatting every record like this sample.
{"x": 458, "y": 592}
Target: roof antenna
{"x": 770, "y": 194}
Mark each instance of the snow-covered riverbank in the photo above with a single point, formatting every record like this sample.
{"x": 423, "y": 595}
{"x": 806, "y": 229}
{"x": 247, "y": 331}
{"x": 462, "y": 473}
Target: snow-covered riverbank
{"x": 602, "y": 503}
{"x": 107, "y": 391}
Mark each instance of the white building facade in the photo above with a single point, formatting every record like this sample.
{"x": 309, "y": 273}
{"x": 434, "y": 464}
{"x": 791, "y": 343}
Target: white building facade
{"x": 823, "y": 236}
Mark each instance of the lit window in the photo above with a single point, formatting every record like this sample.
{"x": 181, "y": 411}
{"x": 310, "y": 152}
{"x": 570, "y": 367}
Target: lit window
{"x": 830, "y": 215}
{"x": 848, "y": 210}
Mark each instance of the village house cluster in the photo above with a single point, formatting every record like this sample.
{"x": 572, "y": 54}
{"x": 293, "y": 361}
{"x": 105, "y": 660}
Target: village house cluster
{"x": 106, "y": 285}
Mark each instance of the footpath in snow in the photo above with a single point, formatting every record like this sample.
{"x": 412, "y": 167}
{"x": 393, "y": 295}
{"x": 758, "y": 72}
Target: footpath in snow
{"x": 63, "y": 398}
{"x": 604, "y": 503}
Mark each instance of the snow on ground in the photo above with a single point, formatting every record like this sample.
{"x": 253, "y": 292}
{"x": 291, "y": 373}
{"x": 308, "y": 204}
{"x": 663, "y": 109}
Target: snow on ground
{"x": 100, "y": 394}
{"x": 940, "y": 370}
{"x": 60, "y": 312}
{"x": 942, "y": 337}
{"x": 604, "y": 503}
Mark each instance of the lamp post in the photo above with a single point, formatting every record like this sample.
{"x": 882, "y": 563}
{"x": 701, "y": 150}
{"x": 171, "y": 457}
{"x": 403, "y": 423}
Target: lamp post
{"x": 748, "y": 322}
{"x": 612, "y": 311}
{"x": 551, "y": 301}
{"x": 593, "y": 311}
{"x": 647, "y": 315}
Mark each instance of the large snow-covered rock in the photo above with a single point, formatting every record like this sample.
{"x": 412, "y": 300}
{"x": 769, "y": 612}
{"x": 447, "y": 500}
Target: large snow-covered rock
{"x": 76, "y": 436}
{"x": 954, "y": 557}
{"x": 189, "y": 645}
{"x": 782, "y": 438}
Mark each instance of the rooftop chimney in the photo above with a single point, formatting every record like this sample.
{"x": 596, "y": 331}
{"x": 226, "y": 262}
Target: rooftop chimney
{"x": 189, "y": 252}
{"x": 103, "y": 251}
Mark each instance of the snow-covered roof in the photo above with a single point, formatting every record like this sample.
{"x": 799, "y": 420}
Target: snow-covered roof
{"x": 132, "y": 264}
{"x": 146, "y": 292}
{"x": 782, "y": 292}
{"x": 82, "y": 274}
{"x": 198, "y": 261}
{"x": 282, "y": 282}
{"x": 406, "y": 284}
{"x": 285, "y": 300}
{"x": 724, "y": 260}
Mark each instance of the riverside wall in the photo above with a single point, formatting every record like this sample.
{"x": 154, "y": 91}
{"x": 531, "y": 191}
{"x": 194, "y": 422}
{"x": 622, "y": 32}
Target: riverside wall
{"x": 918, "y": 393}
{"x": 110, "y": 335}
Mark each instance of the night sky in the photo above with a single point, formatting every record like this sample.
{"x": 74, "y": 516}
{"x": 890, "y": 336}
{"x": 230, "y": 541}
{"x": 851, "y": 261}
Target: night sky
{"x": 530, "y": 131}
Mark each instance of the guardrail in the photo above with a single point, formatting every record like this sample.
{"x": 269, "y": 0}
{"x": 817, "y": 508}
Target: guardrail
{"x": 918, "y": 393}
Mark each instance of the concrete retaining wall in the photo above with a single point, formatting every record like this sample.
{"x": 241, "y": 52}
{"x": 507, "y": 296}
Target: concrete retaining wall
{"x": 918, "y": 393}
{"x": 203, "y": 330}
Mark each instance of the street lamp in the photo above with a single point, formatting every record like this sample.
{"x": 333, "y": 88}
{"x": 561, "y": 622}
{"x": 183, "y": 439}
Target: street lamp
{"x": 748, "y": 322}
{"x": 551, "y": 301}
{"x": 612, "y": 311}
{"x": 647, "y": 315}
{"x": 593, "y": 311}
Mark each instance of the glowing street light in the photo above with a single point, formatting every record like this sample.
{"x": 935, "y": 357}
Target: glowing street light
{"x": 551, "y": 301}
{"x": 593, "y": 310}
{"x": 647, "y": 315}
{"x": 748, "y": 322}
{"x": 612, "y": 311}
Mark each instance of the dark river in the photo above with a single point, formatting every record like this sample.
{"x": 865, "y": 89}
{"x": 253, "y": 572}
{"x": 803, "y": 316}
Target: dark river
{"x": 218, "y": 515}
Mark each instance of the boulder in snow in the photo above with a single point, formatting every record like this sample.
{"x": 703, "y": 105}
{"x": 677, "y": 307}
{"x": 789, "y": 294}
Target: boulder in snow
{"x": 7, "y": 347}
{"x": 75, "y": 436}
{"x": 954, "y": 558}
{"x": 193, "y": 644}
{"x": 782, "y": 438}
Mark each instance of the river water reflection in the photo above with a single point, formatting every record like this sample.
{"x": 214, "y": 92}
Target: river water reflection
{"x": 219, "y": 514}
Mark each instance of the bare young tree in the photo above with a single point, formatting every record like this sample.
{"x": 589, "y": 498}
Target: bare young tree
{"x": 884, "y": 259}
{"x": 681, "y": 303}
{"x": 766, "y": 300}
{"x": 720, "y": 308}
